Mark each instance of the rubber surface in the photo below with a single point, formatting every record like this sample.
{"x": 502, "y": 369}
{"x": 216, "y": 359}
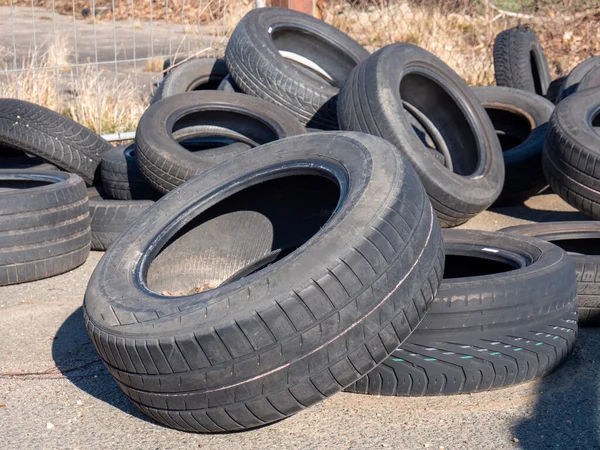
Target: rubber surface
{"x": 110, "y": 218}
{"x": 373, "y": 101}
{"x": 554, "y": 89}
{"x": 256, "y": 65}
{"x": 520, "y": 119}
{"x": 575, "y": 77}
{"x": 166, "y": 164}
{"x": 489, "y": 331}
{"x": 581, "y": 242}
{"x": 269, "y": 344}
{"x": 228, "y": 85}
{"x": 571, "y": 157}
{"x": 121, "y": 176}
{"x": 192, "y": 75}
{"x": 53, "y": 137}
{"x": 44, "y": 225}
{"x": 520, "y": 61}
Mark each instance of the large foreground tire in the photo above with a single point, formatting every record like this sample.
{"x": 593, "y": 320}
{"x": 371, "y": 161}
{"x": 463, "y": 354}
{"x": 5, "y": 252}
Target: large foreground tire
{"x": 194, "y": 75}
{"x": 486, "y": 329}
{"x": 571, "y": 157}
{"x": 53, "y": 137}
{"x": 379, "y": 98}
{"x": 520, "y": 119}
{"x": 203, "y": 337}
{"x": 520, "y": 61}
{"x": 121, "y": 176}
{"x": 44, "y": 225}
{"x": 258, "y": 68}
{"x": 110, "y": 218}
{"x": 581, "y": 240}
{"x": 573, "y": 80}
{"x": 166, "y": 164}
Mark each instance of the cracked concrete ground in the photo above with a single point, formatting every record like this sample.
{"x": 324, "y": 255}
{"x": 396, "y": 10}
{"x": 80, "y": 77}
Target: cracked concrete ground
{"x": 55, "y": 393}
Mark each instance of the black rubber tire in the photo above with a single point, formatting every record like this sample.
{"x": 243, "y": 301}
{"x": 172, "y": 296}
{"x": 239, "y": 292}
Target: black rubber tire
{"x": 166, "y": 164}
{"x": 488, "y": 331}
{"x": 121, "y": 176}
{"x": 554, "y": 89}
{"x": 520, "y": 61}
{"x": 263, "y": 347}
{"x": 228, "y": 85}
{"x": 572, "y": 81}
{"x": 192, "y": 75}
{"x": 591, "y": 79}
{"x": 373, "y": 99}
{"x": 53, "y": 137}
{"x": 520, "y": 119}
{"x": 110, "y": 218}
{"x": 258, "y": 68}
{"x": 44, "y": 225}
{"x": 573, "y": 237}
{"x": 571, "y": 157}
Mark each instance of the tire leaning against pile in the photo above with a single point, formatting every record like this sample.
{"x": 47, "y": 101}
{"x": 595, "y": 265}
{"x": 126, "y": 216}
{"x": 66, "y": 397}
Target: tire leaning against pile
{"x": 520, "y": 61}
{"x": 573, "y": 80}
{"x": 488, "y": 331}
{"x": 520, "y": 118}
{"x": 193, "y": 75}
{"x": 571, "y": 157}
{"x": 373, "y": 101}
{"x": 166, "y": 164}
{"x": 258, "y": 68}
{"x": 580, "y": 240}
{"x": 53, "y": 137}
{"x": 44, "y": 225}
{"x": 263, "y": 347}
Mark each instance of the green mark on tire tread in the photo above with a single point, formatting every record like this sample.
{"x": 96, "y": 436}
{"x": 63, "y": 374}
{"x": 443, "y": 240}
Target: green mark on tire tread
{"x": 397, "y": 359}
{"x": 494, "y": 353}
{"x": 466, "y": 357}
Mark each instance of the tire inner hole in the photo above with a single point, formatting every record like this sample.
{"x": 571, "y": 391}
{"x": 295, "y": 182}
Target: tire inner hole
{"x": 243, "y": 234}
{"x": 596, "y": 122}
{"x": 589, "y": 246}
{"x": 461, "y": 266}
{"x": 312, "y": 55}
{"x": 15, "y": 185}
{"x": 427, "y": 96}
{"x": 535, "y": 72}
{"x": 221, "y": 132}
{"x": 512, "y": 128}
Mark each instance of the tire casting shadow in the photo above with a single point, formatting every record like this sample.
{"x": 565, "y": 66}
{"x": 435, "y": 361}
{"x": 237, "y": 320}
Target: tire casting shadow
{"x": 77, "y": 359}
{"x": 565, "y": 415}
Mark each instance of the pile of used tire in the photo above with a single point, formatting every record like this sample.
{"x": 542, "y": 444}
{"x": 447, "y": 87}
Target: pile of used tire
{"x": 285, "y": 263}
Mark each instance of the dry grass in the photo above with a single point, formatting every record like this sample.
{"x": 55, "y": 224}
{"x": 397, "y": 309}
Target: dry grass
{"x": 176, "y": 11}
{"x": 463, "y": 36}
{"x": 87, "y": 96}
{"x": 461, "y": 32}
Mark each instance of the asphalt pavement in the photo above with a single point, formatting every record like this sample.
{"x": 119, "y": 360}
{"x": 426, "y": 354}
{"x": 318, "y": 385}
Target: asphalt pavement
{"x": 55, "y": 392}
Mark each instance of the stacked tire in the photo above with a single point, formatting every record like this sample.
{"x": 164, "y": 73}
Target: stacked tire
{"x": 253, "y": 269}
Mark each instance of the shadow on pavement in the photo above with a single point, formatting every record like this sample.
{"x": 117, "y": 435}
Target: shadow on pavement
{"x": 565, "y": 414}
{"x": 76, "y": 358}
{"x": 539, "y": 215}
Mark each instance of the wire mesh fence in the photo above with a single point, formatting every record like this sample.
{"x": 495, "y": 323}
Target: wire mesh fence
{"x": 98, "y": 61}
{"x": 462, "y": 32}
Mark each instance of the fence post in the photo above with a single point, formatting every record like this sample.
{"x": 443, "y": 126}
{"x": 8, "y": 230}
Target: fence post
{"x": 310, "y": 7}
